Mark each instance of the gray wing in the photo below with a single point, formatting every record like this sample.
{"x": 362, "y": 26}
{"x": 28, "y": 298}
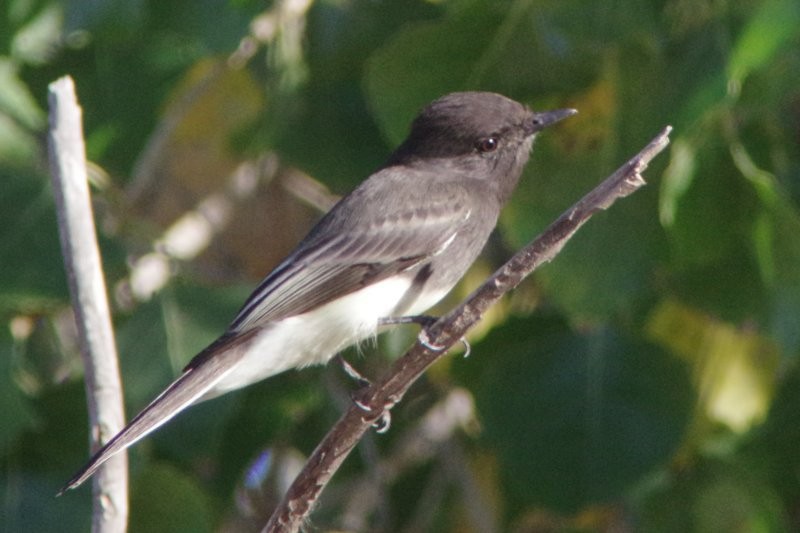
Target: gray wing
{"x": 356, "y": 245}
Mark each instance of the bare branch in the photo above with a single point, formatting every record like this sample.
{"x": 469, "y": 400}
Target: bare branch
{"x": 89, "y": 301}
{"x": 342, "y": 438}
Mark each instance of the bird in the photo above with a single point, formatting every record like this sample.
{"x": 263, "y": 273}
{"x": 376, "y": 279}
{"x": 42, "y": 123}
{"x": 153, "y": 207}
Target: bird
{"x": 392, "y": 248}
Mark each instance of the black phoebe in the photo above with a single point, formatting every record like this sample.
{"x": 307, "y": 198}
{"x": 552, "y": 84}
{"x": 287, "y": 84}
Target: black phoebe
{"x": 393, "y": 247}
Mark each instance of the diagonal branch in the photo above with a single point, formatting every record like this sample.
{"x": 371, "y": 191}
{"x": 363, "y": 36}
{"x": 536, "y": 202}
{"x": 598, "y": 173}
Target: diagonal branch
{"x": 299, "y": 500}
{"x": 89, "y": 301}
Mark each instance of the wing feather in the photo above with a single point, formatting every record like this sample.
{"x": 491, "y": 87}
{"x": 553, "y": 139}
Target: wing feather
{"x": 342, "y": 255}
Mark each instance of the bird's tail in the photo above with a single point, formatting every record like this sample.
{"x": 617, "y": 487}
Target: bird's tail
{"x": 205, "y": 370}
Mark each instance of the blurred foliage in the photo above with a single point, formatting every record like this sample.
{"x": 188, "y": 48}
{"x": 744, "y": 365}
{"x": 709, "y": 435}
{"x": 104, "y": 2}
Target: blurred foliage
{"x": 645, "y": 380}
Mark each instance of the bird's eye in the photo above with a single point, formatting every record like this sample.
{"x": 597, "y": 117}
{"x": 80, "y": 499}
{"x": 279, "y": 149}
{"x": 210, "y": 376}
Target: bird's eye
{"x": 488, "y": 144}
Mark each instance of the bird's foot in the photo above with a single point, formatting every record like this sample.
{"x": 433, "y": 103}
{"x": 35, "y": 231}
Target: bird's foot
{"x": 425, "y": 321}
{"x": 383, "y": 421}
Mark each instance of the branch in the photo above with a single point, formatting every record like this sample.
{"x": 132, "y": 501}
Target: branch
{"x": 89, "y": 301}
{"x": 383, "y": 395}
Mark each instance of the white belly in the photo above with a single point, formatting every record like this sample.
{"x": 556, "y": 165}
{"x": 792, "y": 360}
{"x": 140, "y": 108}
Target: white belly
{"x": 314, "y": 337}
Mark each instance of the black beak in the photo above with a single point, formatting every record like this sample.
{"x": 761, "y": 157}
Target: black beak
{"x": 540, "y": 121}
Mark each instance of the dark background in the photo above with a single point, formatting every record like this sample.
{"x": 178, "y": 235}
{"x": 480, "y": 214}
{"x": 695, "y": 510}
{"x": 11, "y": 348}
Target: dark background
{"x": 645, "y": 380}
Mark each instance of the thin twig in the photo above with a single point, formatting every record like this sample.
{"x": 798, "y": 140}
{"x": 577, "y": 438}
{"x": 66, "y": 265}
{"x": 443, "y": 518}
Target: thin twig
{"x": 343, "y": 437}
{"x": 89, "y": 301}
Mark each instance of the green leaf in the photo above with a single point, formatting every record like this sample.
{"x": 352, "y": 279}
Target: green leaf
{"x": 676, "y": 180}
{"x": 325, "y": 128}
{"x": 448, "y": 63}
{"x": 713, "y": 495}
{"x": 773, "y": 27}
{"x": 33, "y": 272}
{"x": 577, "y": 418}
{"x": 15, "y": 414}
{"x": 15, "y": 98}
{"x": 165, "y": 499}
{"x": 714, "y": 212}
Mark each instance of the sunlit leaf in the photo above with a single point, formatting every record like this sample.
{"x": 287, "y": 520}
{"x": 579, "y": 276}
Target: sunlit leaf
{"x": 676, "y": 180}
{"x": 734, "y": 371}
{"x": 772, "y": 27}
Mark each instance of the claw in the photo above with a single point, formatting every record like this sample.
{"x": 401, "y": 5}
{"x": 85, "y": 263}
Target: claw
{"x": 361, "y": 405}
{"x": 383, "y": 422}
{"x": 426, "y": 342}
{"x": 467, "y": 347}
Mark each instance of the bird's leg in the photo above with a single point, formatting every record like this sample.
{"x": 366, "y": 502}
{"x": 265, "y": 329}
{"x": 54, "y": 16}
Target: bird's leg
{"x": 384, "y": 420}
{"x": 425, "y": 321}
{"x": 352, "y": 372}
